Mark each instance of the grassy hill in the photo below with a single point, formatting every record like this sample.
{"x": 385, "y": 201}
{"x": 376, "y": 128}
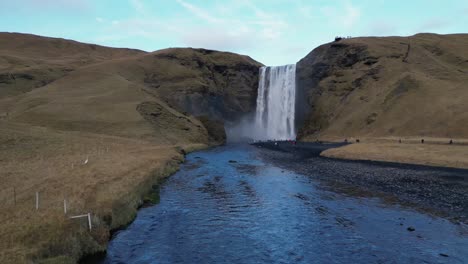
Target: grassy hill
{"x": 30, "y": 61}
{"x": 386, "y": 86}
{"x": 100, "y": 127}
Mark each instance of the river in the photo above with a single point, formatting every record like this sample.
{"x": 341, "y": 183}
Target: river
{"x": 229, "y": 205}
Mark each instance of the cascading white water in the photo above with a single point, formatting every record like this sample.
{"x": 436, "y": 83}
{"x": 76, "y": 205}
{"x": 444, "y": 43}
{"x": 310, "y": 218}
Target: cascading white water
{"x": 276, "y": 100}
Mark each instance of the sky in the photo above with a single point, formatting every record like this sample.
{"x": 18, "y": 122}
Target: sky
{"x": 274, "y": 32}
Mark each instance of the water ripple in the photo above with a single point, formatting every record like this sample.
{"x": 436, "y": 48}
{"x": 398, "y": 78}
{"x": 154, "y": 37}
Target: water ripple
{"x": 216, "y": 211}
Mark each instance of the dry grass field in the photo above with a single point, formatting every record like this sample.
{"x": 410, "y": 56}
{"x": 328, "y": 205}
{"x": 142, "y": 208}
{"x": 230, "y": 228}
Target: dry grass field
{"x": 380, "y": 89}
{"x": 98, "y": 127}
{"x": 434, "y": 151}
{"x": 110, "y": 186}
{"x": 387, "y": 86}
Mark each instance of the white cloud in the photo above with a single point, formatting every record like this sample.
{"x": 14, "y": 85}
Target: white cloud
{"x": 199, "y": 12}
{"x": 228, "y": 32}
{"x": 222, "y": 28}
{"x": 219, "y": 39}
{"x": 99, "y": 19}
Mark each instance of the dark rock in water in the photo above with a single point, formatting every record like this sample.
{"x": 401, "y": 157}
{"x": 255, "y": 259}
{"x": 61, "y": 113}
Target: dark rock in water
{"x": 411, "y": 229}
{"x": 443, "y": 255}
{"x": 232, "y": 161}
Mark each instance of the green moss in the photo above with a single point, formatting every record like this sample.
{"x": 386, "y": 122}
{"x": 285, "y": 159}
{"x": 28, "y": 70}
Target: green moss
{"x": 153, "y": 197}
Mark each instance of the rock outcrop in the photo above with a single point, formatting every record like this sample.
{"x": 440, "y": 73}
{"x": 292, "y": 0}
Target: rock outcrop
{"x": 384, "y": 86}
{"x": 219, "y": 85}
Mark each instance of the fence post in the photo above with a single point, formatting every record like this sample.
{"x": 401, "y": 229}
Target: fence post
{"x": 37, "y": 200}
{"x": 65, "y": 206}
{"x": 89, "y": 221}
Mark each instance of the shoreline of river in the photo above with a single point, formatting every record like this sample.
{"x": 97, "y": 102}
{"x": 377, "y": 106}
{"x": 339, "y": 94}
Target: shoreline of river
{"x": 146, "y": 198}
{"x": 301, "y": 156}
{"x": 441, "y": 191}
{"x": 433, "y": 154}
{"x": 231, "y": 204}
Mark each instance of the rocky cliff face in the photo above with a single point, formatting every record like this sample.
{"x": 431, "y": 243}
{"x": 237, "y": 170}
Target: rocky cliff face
{"x": 219, "y": 85}
{"x": 402, "y": 86}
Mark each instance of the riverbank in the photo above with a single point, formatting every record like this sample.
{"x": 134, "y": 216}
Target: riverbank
{"x": 438, "y": 190}
{"x": 437, "y": 153}
{"x": 106, "y": 176}
{"x": 232, "y": 205}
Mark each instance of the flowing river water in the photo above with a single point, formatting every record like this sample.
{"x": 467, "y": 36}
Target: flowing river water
{"x": 229, "y": 205}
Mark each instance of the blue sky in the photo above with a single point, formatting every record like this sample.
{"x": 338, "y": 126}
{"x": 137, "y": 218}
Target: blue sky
{"x": 273, "y": 32}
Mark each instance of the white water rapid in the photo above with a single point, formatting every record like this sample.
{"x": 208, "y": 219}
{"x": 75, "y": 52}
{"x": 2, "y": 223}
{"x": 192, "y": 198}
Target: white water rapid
{"x": 276, "y": 99}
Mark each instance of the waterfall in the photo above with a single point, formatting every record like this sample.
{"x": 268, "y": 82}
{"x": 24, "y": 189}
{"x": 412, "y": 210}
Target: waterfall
{"x": 276, "y": 100}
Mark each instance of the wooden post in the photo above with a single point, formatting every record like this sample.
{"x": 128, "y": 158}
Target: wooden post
{"x": 65, "y": 206}
{"x": 89, "y": 221}
{"x": 84, "y": 215}
{"x": 37, "y": 200}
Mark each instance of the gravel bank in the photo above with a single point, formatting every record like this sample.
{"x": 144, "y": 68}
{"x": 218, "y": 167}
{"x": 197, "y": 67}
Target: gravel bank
{"x": 440, "y": 191}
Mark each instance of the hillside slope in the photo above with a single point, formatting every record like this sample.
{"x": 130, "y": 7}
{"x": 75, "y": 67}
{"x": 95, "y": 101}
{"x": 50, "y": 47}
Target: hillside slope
{"x": 386, "y": 86}
{"x": 30, "y": 61}
{"x": 100, "y": 127}
{"x": 120, "y": 91}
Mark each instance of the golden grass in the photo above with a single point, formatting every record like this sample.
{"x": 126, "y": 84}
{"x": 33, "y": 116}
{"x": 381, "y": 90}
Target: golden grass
{"x": 398, "y": 86}
{"x": 62, "y": 102}
{"x": 110, "y": 186}
{"x": 434, "y": 151}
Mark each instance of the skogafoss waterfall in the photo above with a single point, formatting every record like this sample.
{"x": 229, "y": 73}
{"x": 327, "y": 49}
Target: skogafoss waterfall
{"x": 276, "y": 100}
